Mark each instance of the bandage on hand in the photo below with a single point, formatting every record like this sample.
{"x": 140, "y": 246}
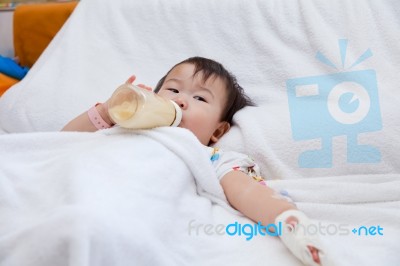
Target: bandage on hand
{"x": 297, "y": 239}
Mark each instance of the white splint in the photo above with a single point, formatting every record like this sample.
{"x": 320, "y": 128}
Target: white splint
{"x": 297, "y": 238}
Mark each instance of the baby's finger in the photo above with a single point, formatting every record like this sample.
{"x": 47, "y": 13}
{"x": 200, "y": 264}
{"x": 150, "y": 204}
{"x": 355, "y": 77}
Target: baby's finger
{"x": 145, "y": 87}
{"x": 314, "y": 254}
{"x": 131, "y": 79}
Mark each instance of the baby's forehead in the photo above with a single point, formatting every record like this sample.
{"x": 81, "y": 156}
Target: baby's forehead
{"x": 189, "y": 71}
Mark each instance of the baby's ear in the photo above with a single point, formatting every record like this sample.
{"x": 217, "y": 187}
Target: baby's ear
{"x": 220, "y": 131}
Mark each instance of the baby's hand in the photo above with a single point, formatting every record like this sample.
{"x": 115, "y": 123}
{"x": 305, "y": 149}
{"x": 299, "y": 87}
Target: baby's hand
{"x": 306, "y": 247}
{"x": 314, "y": 254}
{"x": 132, "y": 78}
{"x": 314, "y": 251}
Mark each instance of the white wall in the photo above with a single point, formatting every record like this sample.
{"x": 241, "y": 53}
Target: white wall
{"x": 6, "y": 34}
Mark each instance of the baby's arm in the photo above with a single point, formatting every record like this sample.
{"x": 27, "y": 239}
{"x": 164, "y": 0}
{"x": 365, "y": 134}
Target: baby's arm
{"x": 262, "y": 204}
{"x": 257, "y": 202}
{"x": 83, "y": 123}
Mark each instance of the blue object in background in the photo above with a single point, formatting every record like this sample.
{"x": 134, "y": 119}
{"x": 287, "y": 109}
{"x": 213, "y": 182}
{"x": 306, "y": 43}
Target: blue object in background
{"x": 343, "y": 103}
{"x": 332, "y": 105}
{"x": 9, "y": 67}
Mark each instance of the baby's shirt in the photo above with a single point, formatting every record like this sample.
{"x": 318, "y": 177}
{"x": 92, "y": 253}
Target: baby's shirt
{"x": 226, "y": 161}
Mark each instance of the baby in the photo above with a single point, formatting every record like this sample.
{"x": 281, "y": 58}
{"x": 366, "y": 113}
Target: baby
{"x": 209, "y": 96}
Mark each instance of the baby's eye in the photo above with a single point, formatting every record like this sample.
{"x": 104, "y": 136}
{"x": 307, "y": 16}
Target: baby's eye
{"x": 199, "y": 98}
{"x": 173, "y": 90}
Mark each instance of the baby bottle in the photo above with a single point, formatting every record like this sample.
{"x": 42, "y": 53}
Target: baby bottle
{"x": 137, "y": 108}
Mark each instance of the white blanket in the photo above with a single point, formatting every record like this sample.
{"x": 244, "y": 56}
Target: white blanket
{"x": 120, "y": 198}
{"x": 102, "y": 199}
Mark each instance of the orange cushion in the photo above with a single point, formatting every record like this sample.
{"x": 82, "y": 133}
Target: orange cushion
{"x": 6, "y": 82}
{"x": 35, "y": 25}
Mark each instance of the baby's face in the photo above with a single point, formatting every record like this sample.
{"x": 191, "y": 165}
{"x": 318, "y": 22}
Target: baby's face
{"x": 202, "y": 103}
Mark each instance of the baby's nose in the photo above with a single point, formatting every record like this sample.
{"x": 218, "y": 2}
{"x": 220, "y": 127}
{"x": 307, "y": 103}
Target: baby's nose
{"x": 181, "y": 103}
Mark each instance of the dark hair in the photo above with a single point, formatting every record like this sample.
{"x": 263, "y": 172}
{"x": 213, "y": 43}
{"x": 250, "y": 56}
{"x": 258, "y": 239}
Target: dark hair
{"x": 236, "y": 100}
